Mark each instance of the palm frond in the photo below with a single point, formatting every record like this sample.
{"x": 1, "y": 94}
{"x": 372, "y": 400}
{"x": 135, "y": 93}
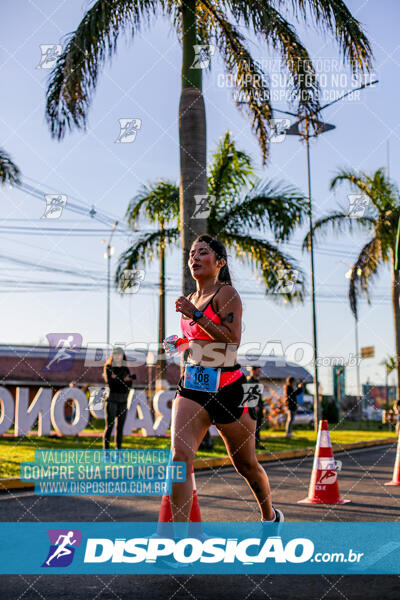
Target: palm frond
{"x": 9, "y": 172}
{"x": 268, "y": 23}
{"x": 384, "y": 192}
{"x": 363, "y": 272}
{"x": 249, "y": 78}
{"x": 273, "y": 205}
{"x": 203, "y": 23}
{"x": 74, "y": 77}
{"x": 390, "y": 363}
{"x": 158, "y": 202}
{"x": 230, "y": 169}
{"x": 203, "y": 27}
{"x": 339, "y": 222}
{"x": 383, "y": 198}
{"x": 283, "y": 278}
{"x": 358, "y": 180}
{"x": 334, "y": 17}
{"x": 144, "y": 251}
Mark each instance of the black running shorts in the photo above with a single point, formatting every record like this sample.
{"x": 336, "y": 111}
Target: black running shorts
{"x": 223, "y": 406}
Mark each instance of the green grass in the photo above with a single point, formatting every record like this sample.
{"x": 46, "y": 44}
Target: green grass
{"x": 13, "y": 451}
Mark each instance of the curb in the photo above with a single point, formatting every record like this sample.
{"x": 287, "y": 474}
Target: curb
{"x": 14, "y": 483}
{"x": 210, "y": 463}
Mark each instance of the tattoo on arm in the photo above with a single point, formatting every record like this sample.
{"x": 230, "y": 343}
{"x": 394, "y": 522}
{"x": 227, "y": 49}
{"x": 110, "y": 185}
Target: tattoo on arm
{"x": 228, "y": 318}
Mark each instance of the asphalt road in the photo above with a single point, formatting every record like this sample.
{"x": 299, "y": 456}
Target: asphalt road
{"x": 223, "y": 496}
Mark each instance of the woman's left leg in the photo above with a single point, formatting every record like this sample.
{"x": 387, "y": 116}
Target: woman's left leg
{"x": 240, "y": 444}
{"x": 121, "y": 418}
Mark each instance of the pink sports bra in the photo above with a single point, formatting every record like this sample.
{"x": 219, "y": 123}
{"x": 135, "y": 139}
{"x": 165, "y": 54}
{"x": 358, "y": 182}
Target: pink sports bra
{"x": 195, "y": 332}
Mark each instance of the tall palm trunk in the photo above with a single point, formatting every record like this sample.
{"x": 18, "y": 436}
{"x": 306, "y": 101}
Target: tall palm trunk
{"x": 396, "y": 315}
{"x": 192, "y": 141}
{"x": 161, "y": 362}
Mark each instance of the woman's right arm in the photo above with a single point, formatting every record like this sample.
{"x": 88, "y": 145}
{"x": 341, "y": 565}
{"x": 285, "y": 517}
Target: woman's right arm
{"x": 106, "y": 374}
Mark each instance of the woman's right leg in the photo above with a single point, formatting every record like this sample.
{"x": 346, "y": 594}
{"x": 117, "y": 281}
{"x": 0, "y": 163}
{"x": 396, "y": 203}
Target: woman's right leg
{"x": 109, "y": 415}
{"x": 190, "y": 421}
{"x": 289, "y": 423}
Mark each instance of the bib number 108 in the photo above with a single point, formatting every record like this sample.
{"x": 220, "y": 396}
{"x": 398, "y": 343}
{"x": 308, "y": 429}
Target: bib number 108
{"x": 201, "y": 378}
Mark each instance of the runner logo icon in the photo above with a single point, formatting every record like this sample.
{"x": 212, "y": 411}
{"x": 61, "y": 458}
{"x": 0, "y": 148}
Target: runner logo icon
{"x": 62, "y": 547}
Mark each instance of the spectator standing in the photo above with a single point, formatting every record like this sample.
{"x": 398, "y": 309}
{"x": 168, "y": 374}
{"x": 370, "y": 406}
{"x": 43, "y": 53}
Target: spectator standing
{"x": 291, "y": 395}
{"x": 254, "y": 377}
{"x": 118, "y": 378}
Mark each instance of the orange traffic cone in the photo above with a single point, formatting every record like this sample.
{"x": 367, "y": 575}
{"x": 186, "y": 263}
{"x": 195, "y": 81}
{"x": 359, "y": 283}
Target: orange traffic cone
{"x": 324, "y": 488}
{"x": 396, "y": 470}
{"x": 195, "y": 516}
{"x": 165, "y": 527}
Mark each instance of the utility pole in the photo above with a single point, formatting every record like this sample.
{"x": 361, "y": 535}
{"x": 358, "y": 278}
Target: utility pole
{"x": 109, "y": 252}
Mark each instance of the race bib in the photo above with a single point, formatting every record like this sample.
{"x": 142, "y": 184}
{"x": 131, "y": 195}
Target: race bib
{"x": 202, "y": 379}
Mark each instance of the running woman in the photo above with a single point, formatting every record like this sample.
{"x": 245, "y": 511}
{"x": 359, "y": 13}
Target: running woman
{"x": 211, "y": 389}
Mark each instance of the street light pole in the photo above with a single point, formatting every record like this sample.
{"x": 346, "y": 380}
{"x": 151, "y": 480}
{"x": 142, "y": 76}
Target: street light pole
{"x": 108, "y": 254}
{"x": 348, "y": 276}
{"x": 302, "y": 129}
{"x": 317, "y": 410}
{"x": 357, "y": 358}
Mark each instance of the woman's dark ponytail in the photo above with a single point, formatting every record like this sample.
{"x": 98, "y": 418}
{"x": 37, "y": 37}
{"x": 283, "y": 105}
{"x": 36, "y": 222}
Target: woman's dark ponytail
{"x": 220, "y": 252}
{"x": 224, "y": 275}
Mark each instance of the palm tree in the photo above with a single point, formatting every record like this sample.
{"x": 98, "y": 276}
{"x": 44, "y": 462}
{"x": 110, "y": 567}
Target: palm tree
{"x": 159, "y": 204}
{"x": 380, "y": 220}
{"x": 390, "y": 365}
{"x": 9, "y": 172}
{"x": 235, "y": 218}
{"x": 202, "y": 25}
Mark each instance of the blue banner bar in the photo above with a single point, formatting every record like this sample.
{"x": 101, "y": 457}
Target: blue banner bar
{"x": 200, "y": 548}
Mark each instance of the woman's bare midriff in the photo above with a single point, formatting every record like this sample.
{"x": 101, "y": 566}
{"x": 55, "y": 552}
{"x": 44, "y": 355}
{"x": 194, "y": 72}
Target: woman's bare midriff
{"x": 212, "y": 354}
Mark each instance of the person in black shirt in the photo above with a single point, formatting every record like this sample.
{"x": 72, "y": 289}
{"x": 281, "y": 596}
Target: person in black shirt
{"x": 118, "y": 378}
{"x": 291, "y": 403}
{"x": 257, "y": 411}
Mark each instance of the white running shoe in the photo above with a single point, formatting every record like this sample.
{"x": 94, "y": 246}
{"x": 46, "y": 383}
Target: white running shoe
{"x": 279, "y": 518}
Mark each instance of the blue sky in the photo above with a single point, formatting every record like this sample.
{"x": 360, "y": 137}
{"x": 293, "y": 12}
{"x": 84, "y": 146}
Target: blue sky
{"x": 142, "y": 81}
